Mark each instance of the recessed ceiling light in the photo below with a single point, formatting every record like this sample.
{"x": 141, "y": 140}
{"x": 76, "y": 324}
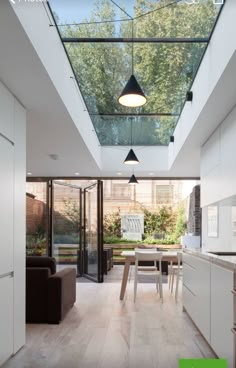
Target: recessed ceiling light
{"x": 119, "y": 173}
{"x": 29, "y": 173}
{"x": 77, "y": 173}
{"x": 54, "y": 156}
{"x": 151, "y": 173}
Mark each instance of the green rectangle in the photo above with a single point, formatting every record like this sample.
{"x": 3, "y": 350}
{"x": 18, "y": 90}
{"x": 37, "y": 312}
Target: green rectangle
{"x": 202, "y": 363}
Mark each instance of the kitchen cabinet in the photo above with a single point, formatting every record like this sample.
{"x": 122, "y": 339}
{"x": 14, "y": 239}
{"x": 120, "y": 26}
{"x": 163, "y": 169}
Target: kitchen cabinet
{"x": 222, "y": 312}
{"x": 209, "y": 297}
{"x": 6, "y": 320}
{"x": 196, "y": 294}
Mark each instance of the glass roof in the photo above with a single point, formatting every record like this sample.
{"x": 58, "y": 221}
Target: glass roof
{"x": 167, "y": 39}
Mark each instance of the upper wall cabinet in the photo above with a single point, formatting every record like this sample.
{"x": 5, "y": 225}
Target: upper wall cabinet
{"x": 218, "y": 170}
{"x": 6, "y": 113}
{"x": 210, "y": 154}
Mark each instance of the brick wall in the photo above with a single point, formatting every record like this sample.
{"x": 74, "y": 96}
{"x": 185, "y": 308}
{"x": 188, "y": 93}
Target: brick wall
{"x": 35, "y": 214}
{"x": 194, "y": 219}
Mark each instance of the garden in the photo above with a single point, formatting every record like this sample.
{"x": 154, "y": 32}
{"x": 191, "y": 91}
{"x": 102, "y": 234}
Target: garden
{"x": 161, "y": 229}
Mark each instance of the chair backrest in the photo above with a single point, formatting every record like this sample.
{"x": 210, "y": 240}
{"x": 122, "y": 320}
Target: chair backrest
{"x": 179, "y": 258}
{"x": 38, "y": 261}
{"x": 148, "y": 255}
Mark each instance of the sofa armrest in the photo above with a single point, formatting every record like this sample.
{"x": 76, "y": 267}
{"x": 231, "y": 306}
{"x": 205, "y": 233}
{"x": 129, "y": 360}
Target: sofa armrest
{"x": 61, "y": 294}
{"x": 36, "y": 294}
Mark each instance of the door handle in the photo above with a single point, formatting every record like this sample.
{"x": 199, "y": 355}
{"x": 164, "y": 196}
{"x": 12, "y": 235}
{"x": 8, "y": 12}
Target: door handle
{"x": 9, "y": 274}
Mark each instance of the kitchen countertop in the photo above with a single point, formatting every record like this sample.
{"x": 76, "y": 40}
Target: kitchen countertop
{"x": 228, "y": 262}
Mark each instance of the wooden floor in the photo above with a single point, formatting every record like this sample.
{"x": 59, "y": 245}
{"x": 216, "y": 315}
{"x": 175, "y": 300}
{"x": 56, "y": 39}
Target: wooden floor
{"x": 103, "y": 332}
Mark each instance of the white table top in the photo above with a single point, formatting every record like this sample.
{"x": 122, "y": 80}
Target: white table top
{"x": 131, "y": 253}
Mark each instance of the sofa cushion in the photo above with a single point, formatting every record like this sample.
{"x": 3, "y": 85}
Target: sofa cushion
{"x": 38, "y": 261}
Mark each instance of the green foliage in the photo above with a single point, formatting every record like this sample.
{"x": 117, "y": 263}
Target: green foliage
{"x": 35, "y": 245}
{"x": 167, "y": 241}
{"x": 72, "y": 212}
{"x": 160, "y": 223}
{"x": 112, "y": 224}
{"x": 116, "y": 240}
{"x": 72, "y": 238}
{"x": 181, "y": 224}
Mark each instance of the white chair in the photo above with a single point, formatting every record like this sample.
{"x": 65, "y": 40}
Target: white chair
{"x": 140, "y": 250}
{"x": 148, "y": 270}
{"x": 175, "y": 272}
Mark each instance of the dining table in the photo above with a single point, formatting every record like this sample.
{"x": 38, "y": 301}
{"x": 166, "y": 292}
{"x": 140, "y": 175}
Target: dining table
{"x": 129, "y": 255}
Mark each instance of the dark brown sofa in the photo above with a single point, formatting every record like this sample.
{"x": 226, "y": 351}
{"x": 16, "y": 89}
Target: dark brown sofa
{"x": 49, "y": 294}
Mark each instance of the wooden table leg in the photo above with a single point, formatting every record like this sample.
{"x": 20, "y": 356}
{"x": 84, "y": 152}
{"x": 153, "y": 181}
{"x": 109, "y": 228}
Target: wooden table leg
{"x": 124, "y": 279}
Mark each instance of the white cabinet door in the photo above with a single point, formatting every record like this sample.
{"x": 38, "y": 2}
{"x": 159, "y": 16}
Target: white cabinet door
{"x": 203, "y": 292}
{"x": 6, "y": 318}
{"x": 189, "y": 303}
{"x": 6, "y": 113}
{"x": 6, "y": 200}
{"x": 196, "y": 292}
{"x": 222, "y": 340}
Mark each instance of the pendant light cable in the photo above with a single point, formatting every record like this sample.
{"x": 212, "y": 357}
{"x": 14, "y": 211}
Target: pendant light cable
{"x": 131, "y": 133}
{"x": 132, "y": 47}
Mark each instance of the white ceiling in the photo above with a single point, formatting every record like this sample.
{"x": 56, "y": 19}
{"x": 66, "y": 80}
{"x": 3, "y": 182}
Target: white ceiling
{"x": 51, "y": 129}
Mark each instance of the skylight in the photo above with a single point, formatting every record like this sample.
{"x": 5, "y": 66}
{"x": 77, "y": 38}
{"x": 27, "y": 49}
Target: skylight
{"x": 170, "y": 38}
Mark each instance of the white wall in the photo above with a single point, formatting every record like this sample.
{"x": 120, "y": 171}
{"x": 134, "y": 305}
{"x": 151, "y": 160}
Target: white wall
{"x": 12, "y": 224}
{"x": 218, "y": 182}
{"x": 151, "y": 159}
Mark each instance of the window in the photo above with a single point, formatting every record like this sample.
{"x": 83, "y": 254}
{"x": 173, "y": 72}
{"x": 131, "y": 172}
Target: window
{"x": 121, "y": 191}
{"x": 164, "y": 194}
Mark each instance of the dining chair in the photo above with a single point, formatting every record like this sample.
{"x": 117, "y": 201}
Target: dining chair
{"x": 179, "y": 274}
{"x": 140, "y": 250}
{"x": 175, "y": 272}
{"x": 155, "y": 257}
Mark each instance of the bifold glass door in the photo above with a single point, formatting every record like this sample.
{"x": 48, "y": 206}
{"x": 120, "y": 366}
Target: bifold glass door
{"x": 93, "y": 232}
{"x": 65, "y": 221}
{"x": 66, "y": 225}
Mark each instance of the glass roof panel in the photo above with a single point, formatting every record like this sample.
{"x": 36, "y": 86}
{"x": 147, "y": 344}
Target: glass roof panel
{"x": 165, "y": 72}
{"x": 146, "y": 130}
{"x": 170, "y": 37}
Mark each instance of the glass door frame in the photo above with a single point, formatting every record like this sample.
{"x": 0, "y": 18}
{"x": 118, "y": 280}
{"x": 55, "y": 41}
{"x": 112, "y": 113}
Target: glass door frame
{"x": 51, "y": 189}
{"x": 99, "y": 277}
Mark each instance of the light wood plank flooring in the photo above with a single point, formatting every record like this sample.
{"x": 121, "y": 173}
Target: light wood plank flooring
{"x": 101, "y": 331}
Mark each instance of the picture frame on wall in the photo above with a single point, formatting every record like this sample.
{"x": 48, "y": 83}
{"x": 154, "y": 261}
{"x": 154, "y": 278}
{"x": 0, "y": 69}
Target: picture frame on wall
{"x": 212, "y": 221}
{"x": 234, "y": 220}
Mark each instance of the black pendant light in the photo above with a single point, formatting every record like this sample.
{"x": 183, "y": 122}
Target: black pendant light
{"x": 132, "y": 95}
{"x": 131, "y": 158}
{"x": 133, "y": 180}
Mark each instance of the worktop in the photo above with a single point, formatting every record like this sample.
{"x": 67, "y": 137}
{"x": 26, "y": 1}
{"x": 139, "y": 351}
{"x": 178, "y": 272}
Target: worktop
{"x": 228, "y": 262}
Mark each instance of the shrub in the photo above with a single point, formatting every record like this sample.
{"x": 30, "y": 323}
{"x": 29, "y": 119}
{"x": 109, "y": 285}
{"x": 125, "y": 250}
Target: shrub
{"x": 160, "y": 223}
{"x": 116, "y": 240}
{"x": 181, "y": 224}
{"x": 66, "y": 239}
{"x": 112, "y": 224}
